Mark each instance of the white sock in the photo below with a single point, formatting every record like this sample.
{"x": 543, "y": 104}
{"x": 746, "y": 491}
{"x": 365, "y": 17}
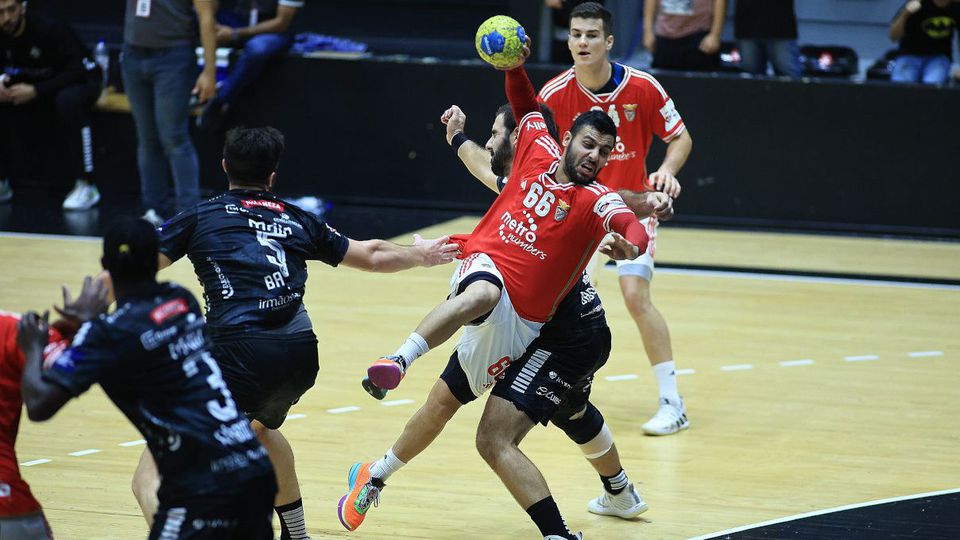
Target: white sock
{"x": 383, "y": 468}
{"x": 414, "y": 347}
{"x": 666, "y": 373}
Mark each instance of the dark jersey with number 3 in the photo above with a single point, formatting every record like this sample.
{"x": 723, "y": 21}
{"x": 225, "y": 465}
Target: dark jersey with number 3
{"x": 151, "y": 358}
{"x": 249, "y": 250}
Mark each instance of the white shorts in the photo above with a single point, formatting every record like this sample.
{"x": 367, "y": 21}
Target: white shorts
{"x": 486, "y": 349}
{"x": 641, "y": 266}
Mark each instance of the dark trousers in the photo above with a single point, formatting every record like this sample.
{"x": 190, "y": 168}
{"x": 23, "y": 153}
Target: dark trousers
{"x": 684, "y": 54}
{"x": 24, "y": 126}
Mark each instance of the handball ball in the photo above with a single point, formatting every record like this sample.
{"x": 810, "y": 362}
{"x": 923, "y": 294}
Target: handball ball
{"x": 500, "y": 41}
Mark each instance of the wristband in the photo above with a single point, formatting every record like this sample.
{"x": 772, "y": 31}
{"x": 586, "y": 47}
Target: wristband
{"x": 458, "y": 141}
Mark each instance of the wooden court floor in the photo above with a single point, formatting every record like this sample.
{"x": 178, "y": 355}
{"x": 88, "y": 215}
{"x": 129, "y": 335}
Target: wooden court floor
{"x": 802, "y": 395}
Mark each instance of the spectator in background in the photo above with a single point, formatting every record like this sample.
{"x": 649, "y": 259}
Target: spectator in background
{"x": 159, "y": 74}
{"x": 45, "y": 66}
{"x": 766, "y": 31}
{"x": 684, "y": 34}
{"x": 561, "y": 28}
{"x": 925, "y": 30}
{"x": 262, "y": 28}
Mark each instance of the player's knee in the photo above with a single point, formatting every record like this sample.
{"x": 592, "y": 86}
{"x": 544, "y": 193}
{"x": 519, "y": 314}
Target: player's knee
{"x": 491, "y": 444}
{"x": 636, "y": 294}
{"x": 581, "y": 426}
{"x": 481, "y": 296}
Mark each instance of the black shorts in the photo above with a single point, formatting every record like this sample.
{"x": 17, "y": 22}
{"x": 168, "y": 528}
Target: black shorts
{"x": 268, "y": 373}
{"x": 242, "y": 513}
{"x": 555, "y": 372}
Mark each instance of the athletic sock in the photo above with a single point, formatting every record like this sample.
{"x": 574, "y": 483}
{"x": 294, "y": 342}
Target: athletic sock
{"x": 548, "y": 519}
{"x": 666, "y": 373}
{"x": 383, "y": 468}
{"x": 292, "y": 524}
{"x": 615, "y": 484}
{"x": 414, "y": 347}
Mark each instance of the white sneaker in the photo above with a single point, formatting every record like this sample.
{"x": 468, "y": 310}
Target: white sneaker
{"x": 83, "y": 196}
{"x": 6, "y": 192}
{"x": 627, "y": 504}
{"x": 670, "y": 418}
{"x": 579, "y": 536}
{"x": 153, "y": 217}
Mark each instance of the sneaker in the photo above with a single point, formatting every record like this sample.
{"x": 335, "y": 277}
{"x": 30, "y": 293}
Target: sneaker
{"x": 372, "y": 389}
{"x": 387, "y": 372}
{"x": 354, "y": 505}
{"x": 83, "y": 196}
{"x": 153, "y": 217}
{"x": 578, "y": 536}
{"x": 670, "y": 418}
{"x": 6, "y": 192}
{"x": 627, "y": 504}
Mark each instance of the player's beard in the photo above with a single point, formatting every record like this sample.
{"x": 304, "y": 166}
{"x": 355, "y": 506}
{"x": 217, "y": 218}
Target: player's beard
{"x": 502, "y": 157}
{"x": 570, "y": 167}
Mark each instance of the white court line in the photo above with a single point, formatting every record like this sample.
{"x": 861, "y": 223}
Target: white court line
{"x": 35, "y": 462}
{"x": 396, "y": 402}
{"x": 295, "y": 416}
{"x": 351, "y": 408}
{"x": 806, "y": 279}
{"x": 87, "y": 452}
{"x": 822, "y": 512}
{"x": 736, "y": 367}
{"x": 128, "y": 444}
{"x": 788, "y": 363}
{"x": 685, "y": 371}
{"x": 921, "y": 354}
{"x": 49, "y": 236}
{"x": 629, "y": 377}
{"x": 861, "y": 358}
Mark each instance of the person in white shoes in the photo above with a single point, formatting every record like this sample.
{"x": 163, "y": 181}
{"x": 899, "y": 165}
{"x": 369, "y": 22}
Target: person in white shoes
{"x": 640, "y": 108}
{"x": 45, "y": 67}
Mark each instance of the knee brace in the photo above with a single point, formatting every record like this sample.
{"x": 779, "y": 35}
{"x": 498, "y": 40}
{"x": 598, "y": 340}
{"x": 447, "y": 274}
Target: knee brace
{"x": 599, "y": 445}
{"x": 582, "y": 426}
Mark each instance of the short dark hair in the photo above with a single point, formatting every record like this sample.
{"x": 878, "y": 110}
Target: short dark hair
{"x": 252, "y": 154}
{"x": 511, "y": 123}
{"x": 598, "y": 120}
{"x": 593, "y": 10}
{"x": 130, "y": 250}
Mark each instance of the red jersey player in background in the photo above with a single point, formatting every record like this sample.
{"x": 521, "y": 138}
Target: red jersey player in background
{"x": 527, "y": 252}
{"x": 21, "y": 516}
{"x": 640, "y": 108}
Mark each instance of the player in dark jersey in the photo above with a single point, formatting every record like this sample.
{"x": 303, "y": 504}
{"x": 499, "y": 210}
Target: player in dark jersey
{"x": 249, "y": 250}
{"x": 153, "y": 361}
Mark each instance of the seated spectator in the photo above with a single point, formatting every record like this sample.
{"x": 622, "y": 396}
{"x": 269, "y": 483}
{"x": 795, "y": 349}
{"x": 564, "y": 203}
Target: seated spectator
{"x": 262, "y": 28}
{"x": 925, "y": 31}
{"x": 684, "y": 34}
{"x": 45, "y": 65}
{"x": 766, "y": 31}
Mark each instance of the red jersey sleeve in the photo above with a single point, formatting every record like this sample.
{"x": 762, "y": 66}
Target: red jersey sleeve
{"x": 664, "y": 117}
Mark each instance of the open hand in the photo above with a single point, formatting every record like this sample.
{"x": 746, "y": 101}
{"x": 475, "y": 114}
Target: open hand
{"x": 436, "y": 251}
{"x": 665, "y": 182}
{"x": 93, "y": 300}
{"x": 617, "y": 248}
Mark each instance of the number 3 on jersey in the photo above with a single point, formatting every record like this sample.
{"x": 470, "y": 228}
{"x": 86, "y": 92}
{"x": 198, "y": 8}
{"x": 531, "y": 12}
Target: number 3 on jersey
{"x": 538, "y": 200}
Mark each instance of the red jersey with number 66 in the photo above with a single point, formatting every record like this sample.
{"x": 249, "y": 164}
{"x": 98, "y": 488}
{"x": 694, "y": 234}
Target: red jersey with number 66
{"x": 541, "y": 233}
{"x": 639, "y": 107}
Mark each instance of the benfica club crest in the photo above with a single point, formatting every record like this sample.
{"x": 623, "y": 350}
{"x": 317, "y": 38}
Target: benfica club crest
{"x": 562, "y": 210}
{"x": 630, "y": 111}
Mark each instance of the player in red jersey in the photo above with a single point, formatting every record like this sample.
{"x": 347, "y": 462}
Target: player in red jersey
{"x": 21, "y": 516}
{"x": 523, "y": 257}
{"x": 640, "y": 108}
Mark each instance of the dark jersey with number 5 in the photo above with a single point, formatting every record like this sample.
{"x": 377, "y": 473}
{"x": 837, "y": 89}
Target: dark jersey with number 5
{"x": 249, "y": 250}
{"x": 151, "y": 358}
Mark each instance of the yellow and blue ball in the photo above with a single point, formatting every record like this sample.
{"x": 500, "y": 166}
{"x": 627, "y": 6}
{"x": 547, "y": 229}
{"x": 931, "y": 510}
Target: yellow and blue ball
{"x": 500, "y": 41}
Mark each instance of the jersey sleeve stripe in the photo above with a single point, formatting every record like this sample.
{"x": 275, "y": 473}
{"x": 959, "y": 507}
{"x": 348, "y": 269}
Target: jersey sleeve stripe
{"x": 529, "y": 117}
{"x": 606, "y": 220}
{"x": 650, "y": 79}
{"x": 676, "y": 131}
{"x": 546, "y": 93}
{"x": 550, "y": 149}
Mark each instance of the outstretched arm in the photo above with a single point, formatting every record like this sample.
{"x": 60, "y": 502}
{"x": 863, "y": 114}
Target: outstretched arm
{"x": 382, "y": 256}
{"x": 43, "y": 399}
{"x": 520, "y": 92}
{"x": 473, "y": 156}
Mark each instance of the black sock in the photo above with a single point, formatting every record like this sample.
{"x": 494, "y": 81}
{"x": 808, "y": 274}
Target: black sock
{"x": 615, "y": 484}
{"x": 292, "y": 524}
{"x": 548, "y": 519}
